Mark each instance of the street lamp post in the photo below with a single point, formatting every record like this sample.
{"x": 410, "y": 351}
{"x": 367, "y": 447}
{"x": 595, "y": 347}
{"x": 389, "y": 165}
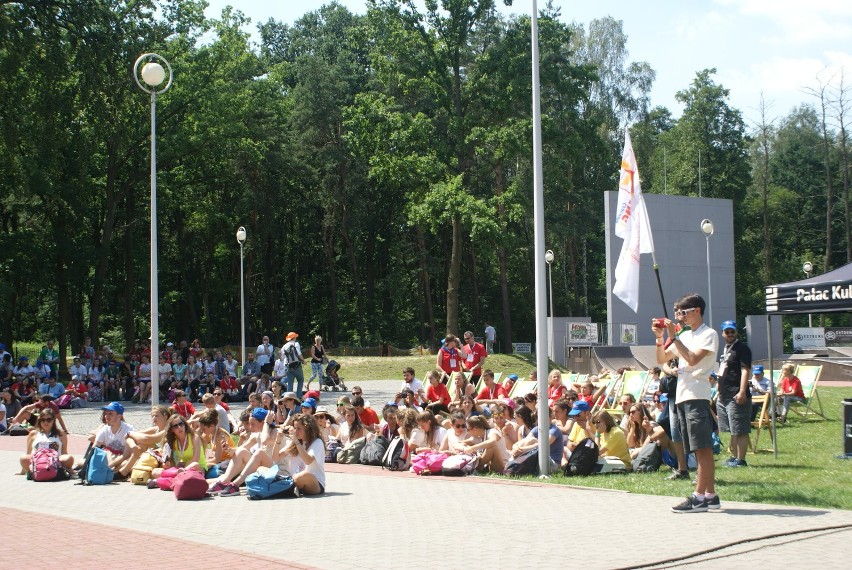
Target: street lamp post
{"x": 149, "y": 71}
{"x": 707, "y": 229}
{"x": 548, "y": 258}
{"x": 241, "y": 239}
{"x": 808, "y": 267}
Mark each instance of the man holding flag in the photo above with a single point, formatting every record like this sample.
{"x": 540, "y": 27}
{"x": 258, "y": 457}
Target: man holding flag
{"x": 633, "y": 226}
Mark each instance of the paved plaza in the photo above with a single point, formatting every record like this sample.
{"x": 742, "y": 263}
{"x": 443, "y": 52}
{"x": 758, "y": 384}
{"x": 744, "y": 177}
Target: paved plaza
{"x": 372, "y": 518}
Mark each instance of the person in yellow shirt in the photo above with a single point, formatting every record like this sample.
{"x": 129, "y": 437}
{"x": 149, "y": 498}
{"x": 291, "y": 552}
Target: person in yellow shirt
{"x": 611, "y": 439}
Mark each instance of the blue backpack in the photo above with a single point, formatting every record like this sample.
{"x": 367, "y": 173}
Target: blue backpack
{"x": 96, "y": 469}
{"x": 271, "y": 484}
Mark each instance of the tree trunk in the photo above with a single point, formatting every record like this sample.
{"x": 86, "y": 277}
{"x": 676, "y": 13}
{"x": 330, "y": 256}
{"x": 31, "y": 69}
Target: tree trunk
{"x": 828, "y": 190}
{"x": 356, "y": 278}
{"x": 427, "y": 289}
{"x": 454, "y": 278}
{"x": 328, "y": 248}
{"x": 129, "y": 278}
{"x": 62, "y": 297}
{"x": 474, "y": 285}
{"x": 499, "y": 187}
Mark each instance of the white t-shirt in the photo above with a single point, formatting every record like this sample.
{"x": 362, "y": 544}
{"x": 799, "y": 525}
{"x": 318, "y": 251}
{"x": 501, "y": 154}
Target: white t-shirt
{"x": 115, "y": 442}
{"x": 416, "y": 386}
{"x": 165, "y": 371}
{"x": 264, "y": 353}
{"x": 231, "y": 367}
{"x": 317, "y": 468}
{"x": 694, "y": 381}
{"x": 490, "y": 333}
{"x": 3, "y": 420}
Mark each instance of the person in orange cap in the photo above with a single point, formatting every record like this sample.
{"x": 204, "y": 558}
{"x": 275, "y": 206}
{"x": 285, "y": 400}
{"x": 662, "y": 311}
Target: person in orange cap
{"x": 291, "y": 353}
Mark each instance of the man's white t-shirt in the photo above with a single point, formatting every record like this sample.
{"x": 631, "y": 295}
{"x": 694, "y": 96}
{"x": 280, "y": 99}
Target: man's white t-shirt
{"x": 165, "y": 371}
{"x": 264, "y": 353}
{"x": 490, "y": 333}
{"x": 693, "y": 382}
{"x": 416, "y": 386}
{"x": 114, "y": 442}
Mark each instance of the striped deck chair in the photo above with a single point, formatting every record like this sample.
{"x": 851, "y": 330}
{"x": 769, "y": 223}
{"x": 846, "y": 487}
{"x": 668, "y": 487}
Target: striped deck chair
{"x": 809, "y": 376}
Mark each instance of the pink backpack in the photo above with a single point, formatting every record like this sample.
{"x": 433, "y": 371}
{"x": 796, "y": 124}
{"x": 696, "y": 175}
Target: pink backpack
{"x": 189, "y": 486}
{"x": 44, "y": 464}
{"x": 166, "y": 478}
{"x": 64, "y": 401}
{"x": 428, "y": 462}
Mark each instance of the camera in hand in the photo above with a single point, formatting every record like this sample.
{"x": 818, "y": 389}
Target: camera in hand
{"x": 660, "y": 323}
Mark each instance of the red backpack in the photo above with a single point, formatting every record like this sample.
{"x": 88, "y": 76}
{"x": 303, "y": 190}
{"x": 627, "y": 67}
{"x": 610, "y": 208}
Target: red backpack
{"x": 189, "y": 485}
{"x": 44, "y": 464}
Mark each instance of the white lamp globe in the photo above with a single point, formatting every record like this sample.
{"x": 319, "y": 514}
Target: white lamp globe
{"x": 153, "y": 73}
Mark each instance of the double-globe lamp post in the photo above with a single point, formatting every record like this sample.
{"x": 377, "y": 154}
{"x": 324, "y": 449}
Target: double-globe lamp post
{"x": 241, "y": 239}
{"x": 149, "y": 71}
{"x": 808, "y": 268}
{"x": 707, "y": 230}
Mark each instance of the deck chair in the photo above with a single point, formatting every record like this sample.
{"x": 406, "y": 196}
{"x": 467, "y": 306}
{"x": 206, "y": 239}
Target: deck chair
{"x": 760, "y": 423}
{"x": 611, "y": 386}
{"x": 632, "y": 382}
{"x": 809, "y": 376}
{"x": 522, "y": 388}
{"x": 568, "y": 379}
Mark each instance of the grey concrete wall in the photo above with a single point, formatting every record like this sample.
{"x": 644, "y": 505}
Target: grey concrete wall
{"x": 682, "y": 256}
{"x": 758, "y": 341}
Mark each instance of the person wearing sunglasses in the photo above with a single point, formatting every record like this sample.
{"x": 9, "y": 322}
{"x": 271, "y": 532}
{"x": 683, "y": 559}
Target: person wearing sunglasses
{"x": 47, "y": 435}
{"x": 187, "y": 449}
{"x": 733, "y": 405}
{"x": 696, "y": 351}
{"x": 611, "y": 441}
{"x": 456, "y": 438}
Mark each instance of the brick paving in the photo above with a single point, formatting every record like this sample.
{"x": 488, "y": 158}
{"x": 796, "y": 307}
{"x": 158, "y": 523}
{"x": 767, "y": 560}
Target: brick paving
{"x": 372, "y": 518}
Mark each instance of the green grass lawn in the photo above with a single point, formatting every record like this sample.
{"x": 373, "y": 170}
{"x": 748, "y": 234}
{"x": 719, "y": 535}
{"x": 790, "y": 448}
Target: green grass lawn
{"x": 806, "y": 472}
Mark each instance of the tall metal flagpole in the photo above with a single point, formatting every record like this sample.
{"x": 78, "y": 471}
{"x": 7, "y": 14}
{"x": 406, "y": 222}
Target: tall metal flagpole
{"x": 540, "y": 283}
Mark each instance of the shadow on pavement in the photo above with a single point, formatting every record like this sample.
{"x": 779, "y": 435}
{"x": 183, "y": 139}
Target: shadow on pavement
{"x": 791, "y": 512}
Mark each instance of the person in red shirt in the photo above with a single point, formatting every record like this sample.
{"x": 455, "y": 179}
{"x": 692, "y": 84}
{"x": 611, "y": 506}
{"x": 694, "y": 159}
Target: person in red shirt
{"x": 555, "y": 388}
{"x": 791, "y": 389}
{"x": 182, "y": 406}
{"x": 369, "y": 418}
{"x": 492, "y": 392}
{"x": 437, "y": 394}
{"x": 449, "y": 357}
{"x": 474, "y": 357}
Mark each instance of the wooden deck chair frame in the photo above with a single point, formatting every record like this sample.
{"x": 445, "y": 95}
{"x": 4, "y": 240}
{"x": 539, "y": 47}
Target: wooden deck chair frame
{"x": 761, "y": 423}
{"x": 613, "y": 384}
{"x": 523, "y": 387}
{"x": 809, "y": 376}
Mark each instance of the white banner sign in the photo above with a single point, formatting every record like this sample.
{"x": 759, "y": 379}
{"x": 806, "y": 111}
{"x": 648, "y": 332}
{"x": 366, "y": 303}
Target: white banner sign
{"x": 522, "y": 347}
{"x": 808, "y": 338}
{"x": 583, "y": 334}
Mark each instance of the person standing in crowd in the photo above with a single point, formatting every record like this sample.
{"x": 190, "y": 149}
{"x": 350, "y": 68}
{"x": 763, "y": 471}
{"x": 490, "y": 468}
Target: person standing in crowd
{"x": 317, "y": 360}
{"x": 733, "y": 406}
{"x": 474, "y": 357}
{"x": 449, "y": 357}
{"x": 490, "y": 337}
{"x": 265, "y": 355}
{"x": 291, "y": 352}
{"x": 50, "y": 356}
{"x": 696, "y": 350}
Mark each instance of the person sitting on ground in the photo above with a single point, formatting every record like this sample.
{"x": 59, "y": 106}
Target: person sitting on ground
{"x": 52, "y": 388}
{"x": 192, "y": 377}
{"x": 327, "y": 424}
{"x": 503, "y": 419}
{"x": 525, "y": 420}
{"x": 25, "y": 391}
{"x": 437, "y": 395}
{"x": 405, "y": 399}
{"x": 409, "y": 382}
{"x": 556, "y": 443}
{"x": 432, "y": 433}
{"x": 226, "y": 422}
{"x": 30, "y": 412}
{"x": 407, "y": 419}
{"x": 456, "y": 438}
{"x": 215, "y": 438}
{"x": 468, "y": 407}
{"x": 626, "y": 402}
{"x": 639, "y": 428}
{"x": 561, "y": 408}
{"x": 11, "y": 407}
{"x": 112, "y": 436}
{"x": 256, "y": 451}
{"x": 143, "y": 379}
{"x": 307, "y": 456}
{"x": 308, "y": 406}
{"x": 389, "y": 427}
{"x": 611, "y": 440}
{"x": 47, "y": 435}
{"x": 351, "y": 427}
{"x": 151, "y": 438}
{"x": 369, "y": 418}
{"x": 583, "y": 427}
{"x": 491, "y": 449}
{"x": 78, "y": 391}
{"x": 182, "y": 406}
{"x": 790, "y": 389}
{"x": 187, "y": 449}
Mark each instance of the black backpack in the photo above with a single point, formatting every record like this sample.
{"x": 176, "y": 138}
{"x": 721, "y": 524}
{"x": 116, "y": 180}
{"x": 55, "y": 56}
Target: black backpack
{"x": 583, "y": 459}
{"x": 397, "y": 457}
{"x": 524, "y": 464}
{"x": 374, "y": 451}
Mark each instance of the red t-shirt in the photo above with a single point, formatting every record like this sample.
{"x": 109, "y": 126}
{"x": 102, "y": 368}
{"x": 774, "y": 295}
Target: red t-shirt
{"x": 228, "y": 384}
{"x": 495, "y": 392}
{"x": 792, "y": 384}
{"x": 450, "y": 360}
{"x": 475, "y": 354}
{"x": 438, "y": 393}
{"x": 556, "y": 392}
{"x": 368, "y": 417}
{"x": 80, "y": 388}
{"x": 186, "y": 409}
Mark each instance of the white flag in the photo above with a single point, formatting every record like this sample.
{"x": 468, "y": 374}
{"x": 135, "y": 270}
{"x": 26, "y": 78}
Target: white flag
{"x": 632, "y": 225}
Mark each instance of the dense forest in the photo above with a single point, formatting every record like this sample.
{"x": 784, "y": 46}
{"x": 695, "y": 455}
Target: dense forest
{"x": 380, "y": 163}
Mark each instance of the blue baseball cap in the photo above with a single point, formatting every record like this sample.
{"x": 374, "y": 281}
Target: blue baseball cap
{"x": 728, "y": 325}
{"x": 114, "y": 407}
{"x": 309, "y": 403}
{"x": 512, "y": 377}
{"x": 579, "y": 407}
{"x": 259, "y": 414}
{"x": 757, "y": 369}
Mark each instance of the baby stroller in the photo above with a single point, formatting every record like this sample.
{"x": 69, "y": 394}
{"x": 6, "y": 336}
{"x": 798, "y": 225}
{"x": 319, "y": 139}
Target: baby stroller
{"x": 331, "y": 382}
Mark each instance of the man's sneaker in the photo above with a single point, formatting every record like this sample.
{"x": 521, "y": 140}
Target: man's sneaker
{"x": 713, "y": 503}
{"x": 738, "y": 463}
{"x": 218, "y": 487}
{"x": 692, "y": 504}
{"x": 677, "y": 475}
{"x": 230, "y": 490}
{"x": 729, "y": 462}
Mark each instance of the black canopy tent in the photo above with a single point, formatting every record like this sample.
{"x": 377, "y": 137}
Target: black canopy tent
{"x": 826, "y": 293}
